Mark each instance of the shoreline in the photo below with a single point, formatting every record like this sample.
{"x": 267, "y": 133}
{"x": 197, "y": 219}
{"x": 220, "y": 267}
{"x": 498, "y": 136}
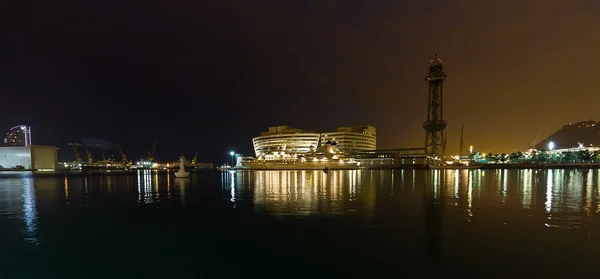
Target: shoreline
{"x": 541, "y": 166}
{"x": 77, "y": 173}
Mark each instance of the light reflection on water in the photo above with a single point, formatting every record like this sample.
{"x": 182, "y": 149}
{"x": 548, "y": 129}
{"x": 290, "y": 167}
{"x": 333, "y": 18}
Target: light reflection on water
{"x": 570, "y": 196}
{"x": 313, "y": 192}
{"x": 30, "y": 213}
{"x": 470, "y": 196}
{"x": 557, "y": 199}
{"x": 182, "y": 184}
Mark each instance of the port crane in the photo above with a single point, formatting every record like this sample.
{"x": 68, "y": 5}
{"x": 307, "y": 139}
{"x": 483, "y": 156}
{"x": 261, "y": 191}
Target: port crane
{"x": 195, "y": 159}
{"x": 151, "y": 155}
{"x": 123, "y": 156}
{"x": 105, "y": 160}
{"x": 89, "y": 155}
{"x": 77, "y": 156}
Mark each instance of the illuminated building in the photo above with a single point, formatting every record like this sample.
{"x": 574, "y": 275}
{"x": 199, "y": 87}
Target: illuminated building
{"x": 353, "y": 139}
{"x": 291, "y": 139}
{"x": 18, "y": 136}
{"x": 349, "y": 139}
{"x": 32, "y": 157}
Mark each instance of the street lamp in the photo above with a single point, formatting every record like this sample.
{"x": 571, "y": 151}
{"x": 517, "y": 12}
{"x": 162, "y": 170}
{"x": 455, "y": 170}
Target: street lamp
{"x": 232, "y": 154}
{"x": 551, "y": 146}
{"x": 471, "y": 150}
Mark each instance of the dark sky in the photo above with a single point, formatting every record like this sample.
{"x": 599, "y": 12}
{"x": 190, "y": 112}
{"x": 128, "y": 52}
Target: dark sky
{"x": 215, "y": 74}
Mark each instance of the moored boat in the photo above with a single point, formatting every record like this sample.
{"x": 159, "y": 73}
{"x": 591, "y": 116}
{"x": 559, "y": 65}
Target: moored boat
{"x": 324, "y": 157}
{"x": 181, "y": 173}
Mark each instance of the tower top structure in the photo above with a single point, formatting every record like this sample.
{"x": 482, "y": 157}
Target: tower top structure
{"x": 436, "y": 69}
{"x": 435, "y": 142}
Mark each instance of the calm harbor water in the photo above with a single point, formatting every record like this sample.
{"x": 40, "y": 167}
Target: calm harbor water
{"x": 273, "y": 224}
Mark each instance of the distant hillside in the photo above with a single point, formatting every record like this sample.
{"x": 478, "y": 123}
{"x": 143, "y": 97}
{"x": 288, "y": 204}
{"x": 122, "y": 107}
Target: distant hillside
{"x": 586, "y": 132}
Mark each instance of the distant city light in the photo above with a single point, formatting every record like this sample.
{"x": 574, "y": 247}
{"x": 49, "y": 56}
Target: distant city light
{"x": 232, "y": 158}
{"x": 551, "y": 145}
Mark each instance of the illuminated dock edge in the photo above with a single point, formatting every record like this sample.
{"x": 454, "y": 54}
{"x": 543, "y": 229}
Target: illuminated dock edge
{"x": 366, "y": 159}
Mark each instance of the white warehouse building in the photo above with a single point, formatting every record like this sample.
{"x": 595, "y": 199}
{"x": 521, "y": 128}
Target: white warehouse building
{"x": 32, "y": 157}
{"x": 349, "y": 139}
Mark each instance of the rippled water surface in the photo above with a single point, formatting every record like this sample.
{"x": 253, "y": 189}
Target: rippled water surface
{"x": 298, "y": 224}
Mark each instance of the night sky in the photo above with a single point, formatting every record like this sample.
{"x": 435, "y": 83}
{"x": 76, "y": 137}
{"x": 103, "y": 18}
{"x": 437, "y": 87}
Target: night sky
{"x": 213, "y": 75}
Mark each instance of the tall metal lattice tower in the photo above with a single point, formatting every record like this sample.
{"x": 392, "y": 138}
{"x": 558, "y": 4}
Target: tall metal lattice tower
{"x": 435, "y": 142}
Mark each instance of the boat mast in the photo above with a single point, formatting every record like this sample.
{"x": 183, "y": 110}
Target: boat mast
{"x": 319, "y": 141}
{"x": 461, "y": 141}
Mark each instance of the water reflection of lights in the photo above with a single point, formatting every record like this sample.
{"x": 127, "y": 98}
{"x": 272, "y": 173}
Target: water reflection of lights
{"x": 597, "y": 190}
{"x": 314, "y": 175}
{"x": 456, "y": 183}
{"x": 504, "y": 186}
{"x": 168, "y": 185}
{"x": 297, "y": 185}
{"x": 352, "y": 182}
{"x": 66, "y": 190}
{"x": 597, "y": 179}
{"x": 588, "y": 193}
{"x": 139, "y": 187}
{"x": 323, "y": 186}
{"x": 357, "y": 178}
{"x": 181, "y": 184}
{"x": 109, "y": 184}
{"x": 228, "y": 184}
{"x": 155, "y": 194}
{"x": 470, "y": 197}
{"x": 145, "y": 181}
{"x": 574, "y": 190}
{"x": 526, "y": 195}
{"x": 414, "y": 175}
{"x": 392, "y": 186}
{"x": 549, "y": 184}
{"x": 436, "y": 184}
{"x": 85, "y": 192}
{"x": 499, "y": 180}
{"x": 147, "y": 186}
{"x": 232, "y": 186}
{"x": 334, "y": 185}
{"x": 261, "y": 178}
{"x": 30, "y": 214}
{"x": 310, "y": 192}
{"x": 477, "y": 181}
{"x": 402, "y": 179}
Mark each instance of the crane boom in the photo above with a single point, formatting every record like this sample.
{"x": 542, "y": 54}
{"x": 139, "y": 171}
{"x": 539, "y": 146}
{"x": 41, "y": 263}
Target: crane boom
{"x": 151, "y": 155}
{"x": 195, "y": 159}
{"x": 123, "y": 156}
{"x": 89, "y": 155}
{"x": 77, "y": 156}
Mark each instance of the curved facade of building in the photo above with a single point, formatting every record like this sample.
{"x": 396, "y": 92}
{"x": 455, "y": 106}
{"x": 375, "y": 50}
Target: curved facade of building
{"x": 18, "y": 136}
{"x": 285, "y": 137}
{"x": 349, "y": 139}
{"x": 353, "y": 139}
